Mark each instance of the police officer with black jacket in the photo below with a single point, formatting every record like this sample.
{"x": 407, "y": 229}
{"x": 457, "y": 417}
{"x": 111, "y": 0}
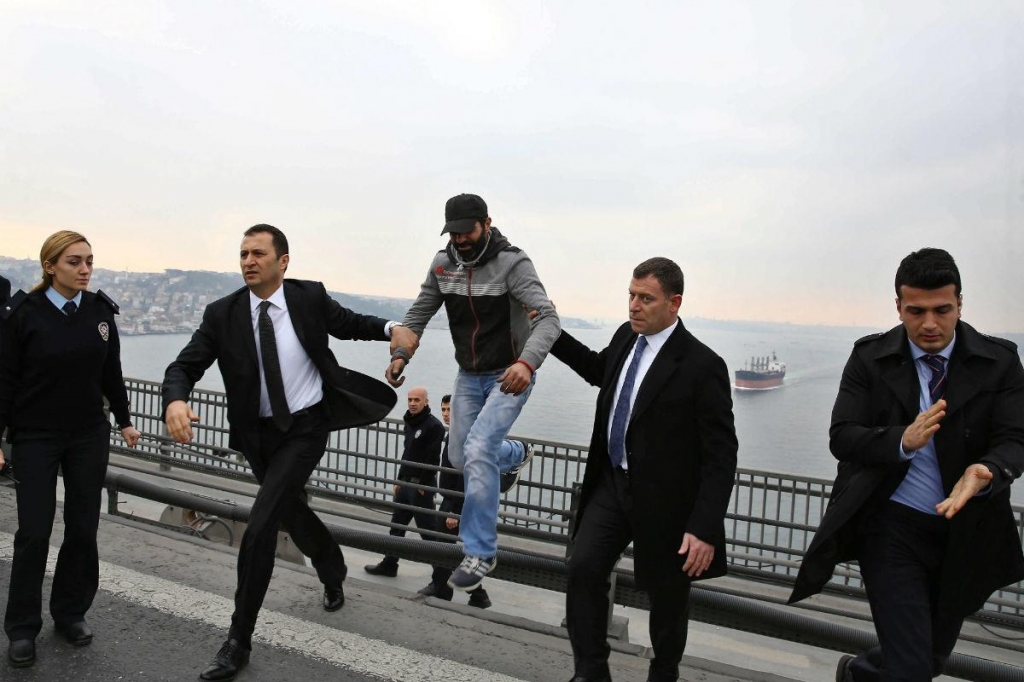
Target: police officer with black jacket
{"x": 423, "y": 435}
{"x": 60, "y": 359}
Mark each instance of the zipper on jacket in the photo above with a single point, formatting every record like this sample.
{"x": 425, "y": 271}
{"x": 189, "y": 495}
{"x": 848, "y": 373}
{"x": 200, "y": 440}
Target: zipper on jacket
{"x": 476, "y": 328}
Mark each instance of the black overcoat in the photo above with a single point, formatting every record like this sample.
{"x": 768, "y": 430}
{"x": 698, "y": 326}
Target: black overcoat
{"x": 680, "y": 445}
{"x": 878, "y": 397}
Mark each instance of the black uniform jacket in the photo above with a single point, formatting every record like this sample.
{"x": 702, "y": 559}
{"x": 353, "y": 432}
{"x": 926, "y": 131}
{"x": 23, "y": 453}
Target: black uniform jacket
{"x": 52, "y": 364}
{"x": 878, "y": 397}
{"x": 226, "y": 335}
{"x": 424, "y": 434}
{"x": 680, "y": 445}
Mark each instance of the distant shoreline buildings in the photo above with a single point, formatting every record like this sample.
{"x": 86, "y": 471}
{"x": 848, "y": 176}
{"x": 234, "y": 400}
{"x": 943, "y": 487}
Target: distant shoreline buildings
{"x": 173, "y": 301}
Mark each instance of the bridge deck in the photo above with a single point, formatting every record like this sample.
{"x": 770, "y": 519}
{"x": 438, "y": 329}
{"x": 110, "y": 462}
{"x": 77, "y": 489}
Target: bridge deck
{"x": 165, "y": 602}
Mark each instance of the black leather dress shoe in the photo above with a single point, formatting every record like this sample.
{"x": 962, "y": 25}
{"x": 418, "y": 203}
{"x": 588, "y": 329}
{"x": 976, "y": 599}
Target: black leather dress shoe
{"x": 78, "y": 633}
{"x": 479, "y": 598}
{"x": 231, "y": 658}
{"x": 433, "y": 590}
{"x": 581, "y": 678}
{"x": 22, "y": 653}
{"x": 384, "y": 568}
{"x": 843, "y": 673}
{"x": 334, "y": 598}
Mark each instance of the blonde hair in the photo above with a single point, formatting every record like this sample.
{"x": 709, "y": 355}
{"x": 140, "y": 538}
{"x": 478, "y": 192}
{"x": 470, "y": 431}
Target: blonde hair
{"x": 53, "y": 247}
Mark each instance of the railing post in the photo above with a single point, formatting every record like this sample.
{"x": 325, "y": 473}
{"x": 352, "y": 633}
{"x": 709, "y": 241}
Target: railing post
{"x": 165, "y": 451}
{"x": 112, "y": 500}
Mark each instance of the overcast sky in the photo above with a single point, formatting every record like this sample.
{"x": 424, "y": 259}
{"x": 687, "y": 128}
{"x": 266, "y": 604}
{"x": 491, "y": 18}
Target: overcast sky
{"x": 786, "y": 155}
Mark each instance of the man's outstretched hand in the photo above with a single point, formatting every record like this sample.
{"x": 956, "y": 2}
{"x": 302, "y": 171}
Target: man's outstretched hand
{"x": 976, "y": 478}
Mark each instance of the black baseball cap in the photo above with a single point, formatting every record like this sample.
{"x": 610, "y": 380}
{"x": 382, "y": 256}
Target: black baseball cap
{"x": 462, "y": 212}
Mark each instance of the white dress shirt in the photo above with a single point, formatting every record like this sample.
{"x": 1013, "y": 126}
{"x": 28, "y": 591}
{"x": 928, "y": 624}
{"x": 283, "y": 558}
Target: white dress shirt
{"x": 654, "y": 345}
{"x": 303, "y": 385}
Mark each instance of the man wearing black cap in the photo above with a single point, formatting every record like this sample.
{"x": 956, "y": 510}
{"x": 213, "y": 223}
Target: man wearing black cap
{"x": 486, "y": 285}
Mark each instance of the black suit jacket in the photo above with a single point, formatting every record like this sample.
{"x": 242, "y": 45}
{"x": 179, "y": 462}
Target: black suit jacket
{"x": 878, "y": 397}
{"x": 680, "y": 445}
{"x": 5, "y": 294}
{"x": 226, "y": 335}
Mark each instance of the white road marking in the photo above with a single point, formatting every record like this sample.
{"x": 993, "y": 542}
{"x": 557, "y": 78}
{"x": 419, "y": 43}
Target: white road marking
{"x": 354, "y": 652}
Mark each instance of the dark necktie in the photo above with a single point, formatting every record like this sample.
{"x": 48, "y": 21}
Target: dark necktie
{"x": 937, "y": 384}
{"x": 70, "y": 308}
{"x": 617, "y": 441}
{"x": 272, "y": 370}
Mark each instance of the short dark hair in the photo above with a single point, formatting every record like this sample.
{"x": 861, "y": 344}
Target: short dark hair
{"x": 446, "y": 398}
{"x": 927, "y": 269}
{"x": 277, "y": 236}
{"x": 668, "y": 274}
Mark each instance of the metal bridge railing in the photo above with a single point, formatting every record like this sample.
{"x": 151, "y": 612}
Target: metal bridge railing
{"x": 771, "y": 520}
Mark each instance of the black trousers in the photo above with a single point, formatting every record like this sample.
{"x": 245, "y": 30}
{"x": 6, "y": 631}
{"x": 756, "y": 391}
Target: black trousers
{"x": 603, "y": 535}
{"x": 282, "y": 465}
{"x": 36, "y": 457}
{"x": 424, "y": 521}
{"x": 901, "y": 561}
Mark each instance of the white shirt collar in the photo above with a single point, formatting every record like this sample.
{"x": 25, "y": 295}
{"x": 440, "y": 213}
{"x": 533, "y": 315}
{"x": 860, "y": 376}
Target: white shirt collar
{"x": 656, "y": 341}
{"x": 277, "y": 299}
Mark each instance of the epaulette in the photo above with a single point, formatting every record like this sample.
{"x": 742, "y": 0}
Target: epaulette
{"x": 869, "y": 337}
{"x": 12, "y": 304}
{"x": 109, "y": 301}
{"x": 1005, "y": 343}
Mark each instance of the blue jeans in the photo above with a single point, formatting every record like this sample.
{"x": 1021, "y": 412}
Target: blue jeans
{"x": 481, "y": 418}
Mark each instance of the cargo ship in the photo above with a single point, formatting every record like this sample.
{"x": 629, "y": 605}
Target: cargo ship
{"x": 761, "y": 373}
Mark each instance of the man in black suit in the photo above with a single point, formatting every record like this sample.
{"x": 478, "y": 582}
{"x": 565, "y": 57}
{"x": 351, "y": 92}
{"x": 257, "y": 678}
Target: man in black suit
{"x": 660, "y": 471}
{"x": 928, "y": 428}
{"x": 285, "y": 394}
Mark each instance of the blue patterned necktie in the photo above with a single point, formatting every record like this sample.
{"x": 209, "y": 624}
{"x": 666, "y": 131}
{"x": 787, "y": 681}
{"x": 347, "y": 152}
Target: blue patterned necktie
{"x": 937, "y": 384}
{"x": 617, "y": 442}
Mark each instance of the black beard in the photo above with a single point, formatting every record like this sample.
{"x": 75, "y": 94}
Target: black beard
{"x": 473, "y": 252}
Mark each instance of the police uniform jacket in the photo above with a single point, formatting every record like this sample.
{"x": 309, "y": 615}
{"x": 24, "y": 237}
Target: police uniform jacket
{"x": 56, "y": 364}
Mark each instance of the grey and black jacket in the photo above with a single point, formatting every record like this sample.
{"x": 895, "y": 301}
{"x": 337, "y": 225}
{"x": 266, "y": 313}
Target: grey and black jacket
{"x": 488, "y": 302}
